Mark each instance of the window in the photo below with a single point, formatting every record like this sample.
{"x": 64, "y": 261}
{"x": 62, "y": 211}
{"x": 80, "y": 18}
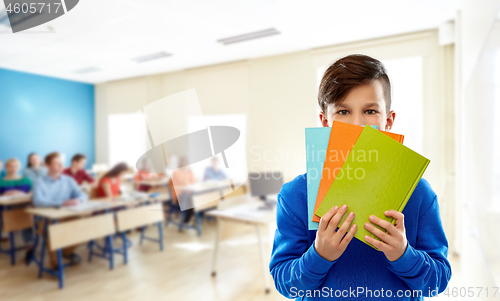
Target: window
{"x": 406, "y": 75}
{"x": 235, "y": 154}
{"x": 496, "y": 133}
{"x": 127, "y": 138}
{"x": 319, "y": 75}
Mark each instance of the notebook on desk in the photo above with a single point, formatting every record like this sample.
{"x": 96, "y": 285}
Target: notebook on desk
{"x": 87, "y": 206}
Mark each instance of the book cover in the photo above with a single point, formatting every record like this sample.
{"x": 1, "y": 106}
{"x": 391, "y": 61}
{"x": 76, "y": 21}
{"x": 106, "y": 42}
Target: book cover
{"x": 379, "y": 174}
{"x": 343, "y": 136}
{"x": 316, "y": 146}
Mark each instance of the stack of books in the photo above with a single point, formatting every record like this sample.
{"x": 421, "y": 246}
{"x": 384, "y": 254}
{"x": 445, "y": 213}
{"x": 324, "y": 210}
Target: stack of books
{"x": 369, "y": 170}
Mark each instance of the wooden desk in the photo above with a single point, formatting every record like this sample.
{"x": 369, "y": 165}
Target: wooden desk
{"x": 161, "y": 197}
{"x": 56, "y": 214}
{"x": 127, "y": 177}
{"x": 154, "y": 183}
{"x": 13, "y": 218}
{"x": 110, "y": 203}
{"x": 64, "y": 213}
{"x": 159, "y": 185}
{"x": 202, "y": 187}
{"x": 247, "y": 211}
{"x": 15, "y": 200}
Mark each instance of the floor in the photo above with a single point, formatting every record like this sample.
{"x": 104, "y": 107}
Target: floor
{"x": 181, "y": 272}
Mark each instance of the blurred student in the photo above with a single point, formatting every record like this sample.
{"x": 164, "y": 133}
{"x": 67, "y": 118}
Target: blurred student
{"x": 213, "y": 172}
{"x": 184, "y": 176}
{"x": 34, "y": 169}
{"x": 2, "y": 171}
{"x": 56, "y": 189}
{"x": 14, "y": 184}
{"x": 77, "y": 170}
{"x": 144, "y": 173}
{"x": 3, "y": 235}
{"x": 109, "y": 184}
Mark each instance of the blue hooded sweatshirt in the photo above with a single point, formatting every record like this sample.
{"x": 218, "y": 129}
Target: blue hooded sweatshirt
{"x": 361, "y": 272}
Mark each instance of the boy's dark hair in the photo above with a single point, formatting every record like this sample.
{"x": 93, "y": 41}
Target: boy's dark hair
{"x": 349, "y": 72}
{"x": 78, "y": 158}
{"x": 50, "y": 157}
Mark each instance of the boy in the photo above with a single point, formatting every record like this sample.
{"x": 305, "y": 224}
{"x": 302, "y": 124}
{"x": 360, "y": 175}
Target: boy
{"x": 213, "y": 172}
{"x": 77, "y": 170}
{"x": 54, "y": 190}
{"x": 328, "y": 263}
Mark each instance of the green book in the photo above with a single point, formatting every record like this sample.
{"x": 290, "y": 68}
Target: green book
{"x": 379, "y": 174}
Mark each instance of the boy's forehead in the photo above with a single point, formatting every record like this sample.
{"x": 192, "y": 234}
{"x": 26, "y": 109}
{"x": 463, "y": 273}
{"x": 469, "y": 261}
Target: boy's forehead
{"x": 364, "y": 95}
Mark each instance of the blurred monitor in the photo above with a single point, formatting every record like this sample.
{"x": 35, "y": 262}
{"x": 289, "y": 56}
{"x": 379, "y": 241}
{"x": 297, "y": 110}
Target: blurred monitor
{"x": 264, "y": 184}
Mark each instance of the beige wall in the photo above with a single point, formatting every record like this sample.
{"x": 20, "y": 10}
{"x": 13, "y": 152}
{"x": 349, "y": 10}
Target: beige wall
{"x": 276, "y": 93}
{"x": 282, "y": 104}
{"x": 278, "y": 96}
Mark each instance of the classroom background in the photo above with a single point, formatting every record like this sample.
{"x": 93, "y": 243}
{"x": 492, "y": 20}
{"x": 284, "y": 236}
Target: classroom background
{"x": 74, "y": 88}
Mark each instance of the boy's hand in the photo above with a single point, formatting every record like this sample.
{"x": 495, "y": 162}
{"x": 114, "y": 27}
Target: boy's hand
{"x": 71, "y": 202}
{"x": 393, "y": 243}
{"x": 330, "y": 244}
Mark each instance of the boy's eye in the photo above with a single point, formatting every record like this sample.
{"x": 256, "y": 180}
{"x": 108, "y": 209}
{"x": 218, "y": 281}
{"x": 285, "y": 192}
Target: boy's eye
{"x": 343, "y": 112}
{"x": 370, "y": 112}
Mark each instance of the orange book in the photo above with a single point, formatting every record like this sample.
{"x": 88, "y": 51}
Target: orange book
{"x": 343, "y": 136}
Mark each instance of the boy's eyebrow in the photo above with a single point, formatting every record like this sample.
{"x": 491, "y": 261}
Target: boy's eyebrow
{"x": 340, "y": 105}
{"x": 372, "y": 104}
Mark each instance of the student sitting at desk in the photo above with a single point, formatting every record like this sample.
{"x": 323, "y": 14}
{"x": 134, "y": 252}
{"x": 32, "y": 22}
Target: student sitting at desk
{"x": 56, "y": 189}
{"x": 183, "y": 176}
{"x": 34, "y": 168}
{"x": 145, "y": 174}
{"x": 3, "y": 236}
{"x": 77, "y": 170}
{"x": 13, "y": 183}
{"x": 109, "y": 185}
{"x": 213, "y": 172}
{"x": 2, "y": 172}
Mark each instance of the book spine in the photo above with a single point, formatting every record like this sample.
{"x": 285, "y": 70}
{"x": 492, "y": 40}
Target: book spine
{"x": 410, "y": 192}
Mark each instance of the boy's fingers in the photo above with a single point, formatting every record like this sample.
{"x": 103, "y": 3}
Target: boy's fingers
{"x": 383, "y": 223}
{"x": 377, "y": 232}
{"x": 398, "y": 216}
{"x": 334, "y": 221}
{"x": 325, "y": 219}
{"x": 347, "y": 239}
{"x": 376, "y": 243}
{"x": 345, "y": 225}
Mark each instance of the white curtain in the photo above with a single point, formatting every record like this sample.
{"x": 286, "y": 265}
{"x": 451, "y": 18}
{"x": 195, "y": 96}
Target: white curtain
{"x": 478, "y": 136}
